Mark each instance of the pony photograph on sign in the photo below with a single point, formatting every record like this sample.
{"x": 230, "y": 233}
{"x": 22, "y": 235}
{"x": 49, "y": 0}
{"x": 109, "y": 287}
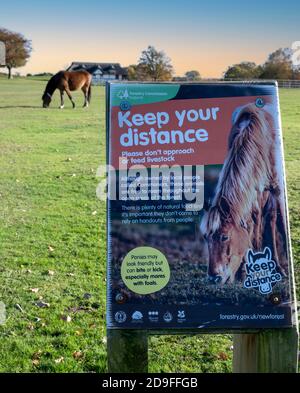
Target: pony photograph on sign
{"x": 244, "y": 214}
{"x": 247, "y": 211}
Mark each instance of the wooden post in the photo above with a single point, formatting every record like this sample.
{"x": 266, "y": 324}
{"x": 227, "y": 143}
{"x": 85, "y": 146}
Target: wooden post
{"x": 269, "y": 351}
{"x": 127, "y": 351}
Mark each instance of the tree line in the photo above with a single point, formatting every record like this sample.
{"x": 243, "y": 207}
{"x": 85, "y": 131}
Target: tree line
{"x": 279, "y": 65}
{"x": 155, "y": 65}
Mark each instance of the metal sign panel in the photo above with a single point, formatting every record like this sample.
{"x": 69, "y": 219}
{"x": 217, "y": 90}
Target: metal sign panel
{"x": 197, "y": 225}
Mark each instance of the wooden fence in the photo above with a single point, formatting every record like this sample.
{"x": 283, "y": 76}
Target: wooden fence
{"x": 282, "y": 83}
{"x": 288, "y": 84}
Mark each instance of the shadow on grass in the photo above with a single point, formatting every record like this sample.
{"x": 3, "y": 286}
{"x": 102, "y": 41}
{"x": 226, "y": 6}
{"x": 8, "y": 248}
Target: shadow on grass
{"x": 34, "y": 107}
{"x": 19, "y": 106}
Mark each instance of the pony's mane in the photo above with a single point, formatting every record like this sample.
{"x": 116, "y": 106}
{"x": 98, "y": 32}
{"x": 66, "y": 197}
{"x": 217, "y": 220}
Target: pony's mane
{"x": 246, "y": 170}
{"x": 52, "y": 83}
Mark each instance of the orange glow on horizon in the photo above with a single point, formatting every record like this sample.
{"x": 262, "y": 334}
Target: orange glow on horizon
{"x": 210, "y": 63}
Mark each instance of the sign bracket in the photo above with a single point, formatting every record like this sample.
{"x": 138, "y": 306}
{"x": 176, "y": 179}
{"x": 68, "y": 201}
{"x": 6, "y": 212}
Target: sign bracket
{"x": 256, "y": 351}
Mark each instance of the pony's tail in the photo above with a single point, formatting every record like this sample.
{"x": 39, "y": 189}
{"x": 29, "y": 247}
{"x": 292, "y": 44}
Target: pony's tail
{"x": 89, "y": 93}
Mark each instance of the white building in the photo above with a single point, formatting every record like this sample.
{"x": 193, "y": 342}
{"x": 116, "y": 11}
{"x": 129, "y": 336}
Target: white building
{"x": 101, "y": 72}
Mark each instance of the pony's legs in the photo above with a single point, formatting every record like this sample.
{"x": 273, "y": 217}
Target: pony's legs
{"x": 89, "y": 93}
{"x": 62, "y": 104}
{"x": 70, "y": 97}
{"x": 86, "y": 99}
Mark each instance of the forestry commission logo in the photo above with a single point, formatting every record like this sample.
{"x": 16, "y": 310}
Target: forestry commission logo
{"x": 136, "y": 94}
{"x": 261, "y": 271}
{"x": 120, "y": 316}
{"x": 123, "y": 94}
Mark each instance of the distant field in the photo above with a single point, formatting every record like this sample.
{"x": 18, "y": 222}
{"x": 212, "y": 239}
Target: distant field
{"x": 52, "y": 238}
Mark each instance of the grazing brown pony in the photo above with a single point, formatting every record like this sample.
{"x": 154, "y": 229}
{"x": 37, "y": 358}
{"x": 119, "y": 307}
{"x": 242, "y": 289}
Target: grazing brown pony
{"x": 247, "y": 211}
{"x": 67, "y": 81}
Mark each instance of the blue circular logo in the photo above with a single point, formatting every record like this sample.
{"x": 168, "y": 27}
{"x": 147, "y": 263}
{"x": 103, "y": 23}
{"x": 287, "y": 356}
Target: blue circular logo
{"x": 259, "y": 102}
{"x": 120, "y": 316}
{"x": 125, "y": 105}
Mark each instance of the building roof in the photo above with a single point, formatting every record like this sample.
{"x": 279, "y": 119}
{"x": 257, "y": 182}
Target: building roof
{"x": 105, "y": 68}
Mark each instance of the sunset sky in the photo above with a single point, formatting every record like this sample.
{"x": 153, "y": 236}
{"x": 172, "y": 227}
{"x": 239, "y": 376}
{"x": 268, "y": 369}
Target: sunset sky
{"x": 203, "y": 35}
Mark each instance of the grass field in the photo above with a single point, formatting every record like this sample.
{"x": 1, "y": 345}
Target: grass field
{"x": 52, "y": 238}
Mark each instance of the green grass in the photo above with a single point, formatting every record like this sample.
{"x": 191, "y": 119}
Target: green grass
{"x": 48, "y": 222}
{"x": 290, "y": 110}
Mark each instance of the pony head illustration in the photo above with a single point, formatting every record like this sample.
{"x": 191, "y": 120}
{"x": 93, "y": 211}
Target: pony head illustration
{"x": 261, "y": 271}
